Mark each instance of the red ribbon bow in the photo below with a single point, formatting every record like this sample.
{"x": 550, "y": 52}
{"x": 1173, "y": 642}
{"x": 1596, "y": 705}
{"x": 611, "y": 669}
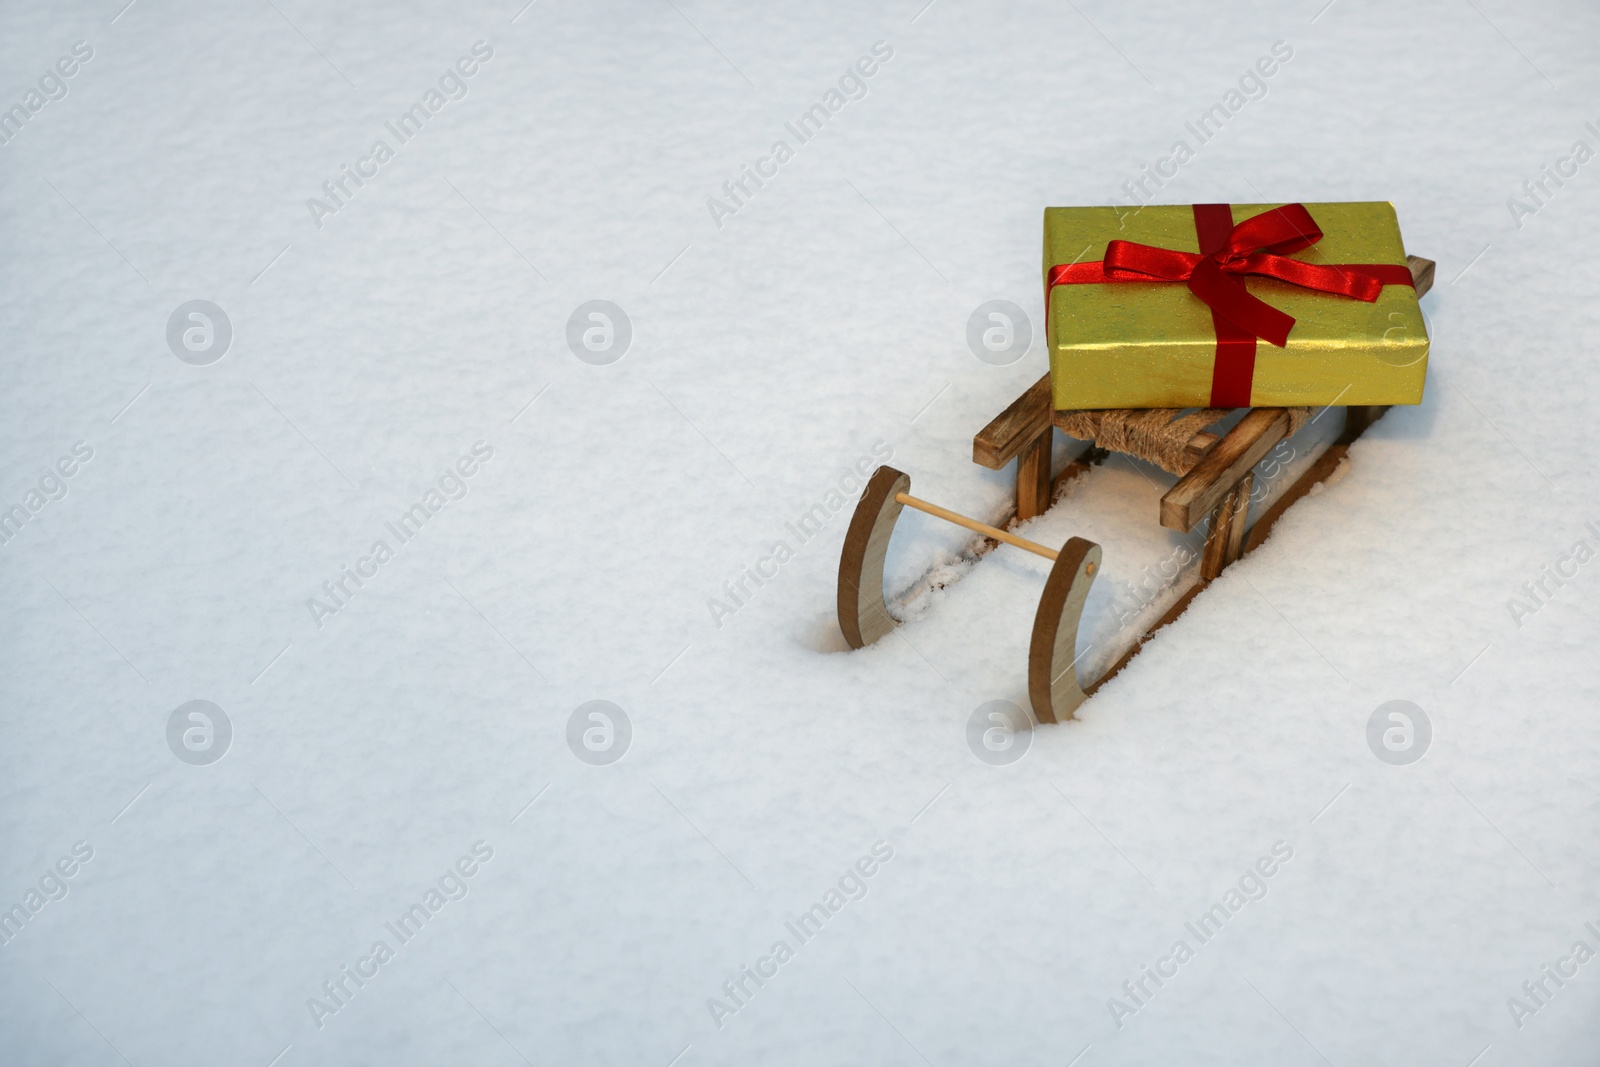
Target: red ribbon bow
{"x": 1258, "y": 246}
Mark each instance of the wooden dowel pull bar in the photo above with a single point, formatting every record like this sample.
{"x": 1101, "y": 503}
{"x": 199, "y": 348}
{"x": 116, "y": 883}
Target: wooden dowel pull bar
{"x": 975, "y": 526}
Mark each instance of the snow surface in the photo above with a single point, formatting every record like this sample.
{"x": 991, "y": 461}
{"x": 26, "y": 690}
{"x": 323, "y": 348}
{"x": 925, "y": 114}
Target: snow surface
{"x": 825, "y": 318}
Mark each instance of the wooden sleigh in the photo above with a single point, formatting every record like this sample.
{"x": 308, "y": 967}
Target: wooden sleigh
{"x": 1215, "y": 477}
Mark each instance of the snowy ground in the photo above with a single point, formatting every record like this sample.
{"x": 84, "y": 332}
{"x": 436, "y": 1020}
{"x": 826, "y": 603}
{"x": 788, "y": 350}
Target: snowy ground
{"x": 416, "y": 739}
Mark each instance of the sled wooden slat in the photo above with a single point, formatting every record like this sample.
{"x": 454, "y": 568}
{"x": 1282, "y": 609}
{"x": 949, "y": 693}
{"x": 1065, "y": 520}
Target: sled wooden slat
{"x": 1200, "y": 444}
{"x": 1022, "y": 423}
{"x": 1199, "y": 492}
{"x": 1226, "y": 535}
{"x": 1421, "y": 273}
{"x": 1033, "y": 477}
{"x": 1357, "y": 418}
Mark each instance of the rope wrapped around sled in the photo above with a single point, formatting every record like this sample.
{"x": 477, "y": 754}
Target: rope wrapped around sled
{"x": 1157, "y": 435}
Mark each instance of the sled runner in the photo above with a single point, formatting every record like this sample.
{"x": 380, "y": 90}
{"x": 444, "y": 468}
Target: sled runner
{"x": 1215, "y": 477}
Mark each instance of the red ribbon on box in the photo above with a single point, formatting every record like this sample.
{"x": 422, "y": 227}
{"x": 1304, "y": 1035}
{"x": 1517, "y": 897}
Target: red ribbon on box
{"x": 1259, "y": 245}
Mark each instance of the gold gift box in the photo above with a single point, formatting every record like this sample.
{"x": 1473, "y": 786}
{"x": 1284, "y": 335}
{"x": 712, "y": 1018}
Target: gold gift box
{"x": 1153, "y": 344}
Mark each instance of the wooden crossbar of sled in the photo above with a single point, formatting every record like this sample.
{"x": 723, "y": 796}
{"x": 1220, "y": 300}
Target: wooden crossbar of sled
{"x": 1215, "y": 475}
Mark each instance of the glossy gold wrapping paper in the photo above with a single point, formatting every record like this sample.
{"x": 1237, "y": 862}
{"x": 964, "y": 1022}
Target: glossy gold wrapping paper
{"x": 1152, "y": 344}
